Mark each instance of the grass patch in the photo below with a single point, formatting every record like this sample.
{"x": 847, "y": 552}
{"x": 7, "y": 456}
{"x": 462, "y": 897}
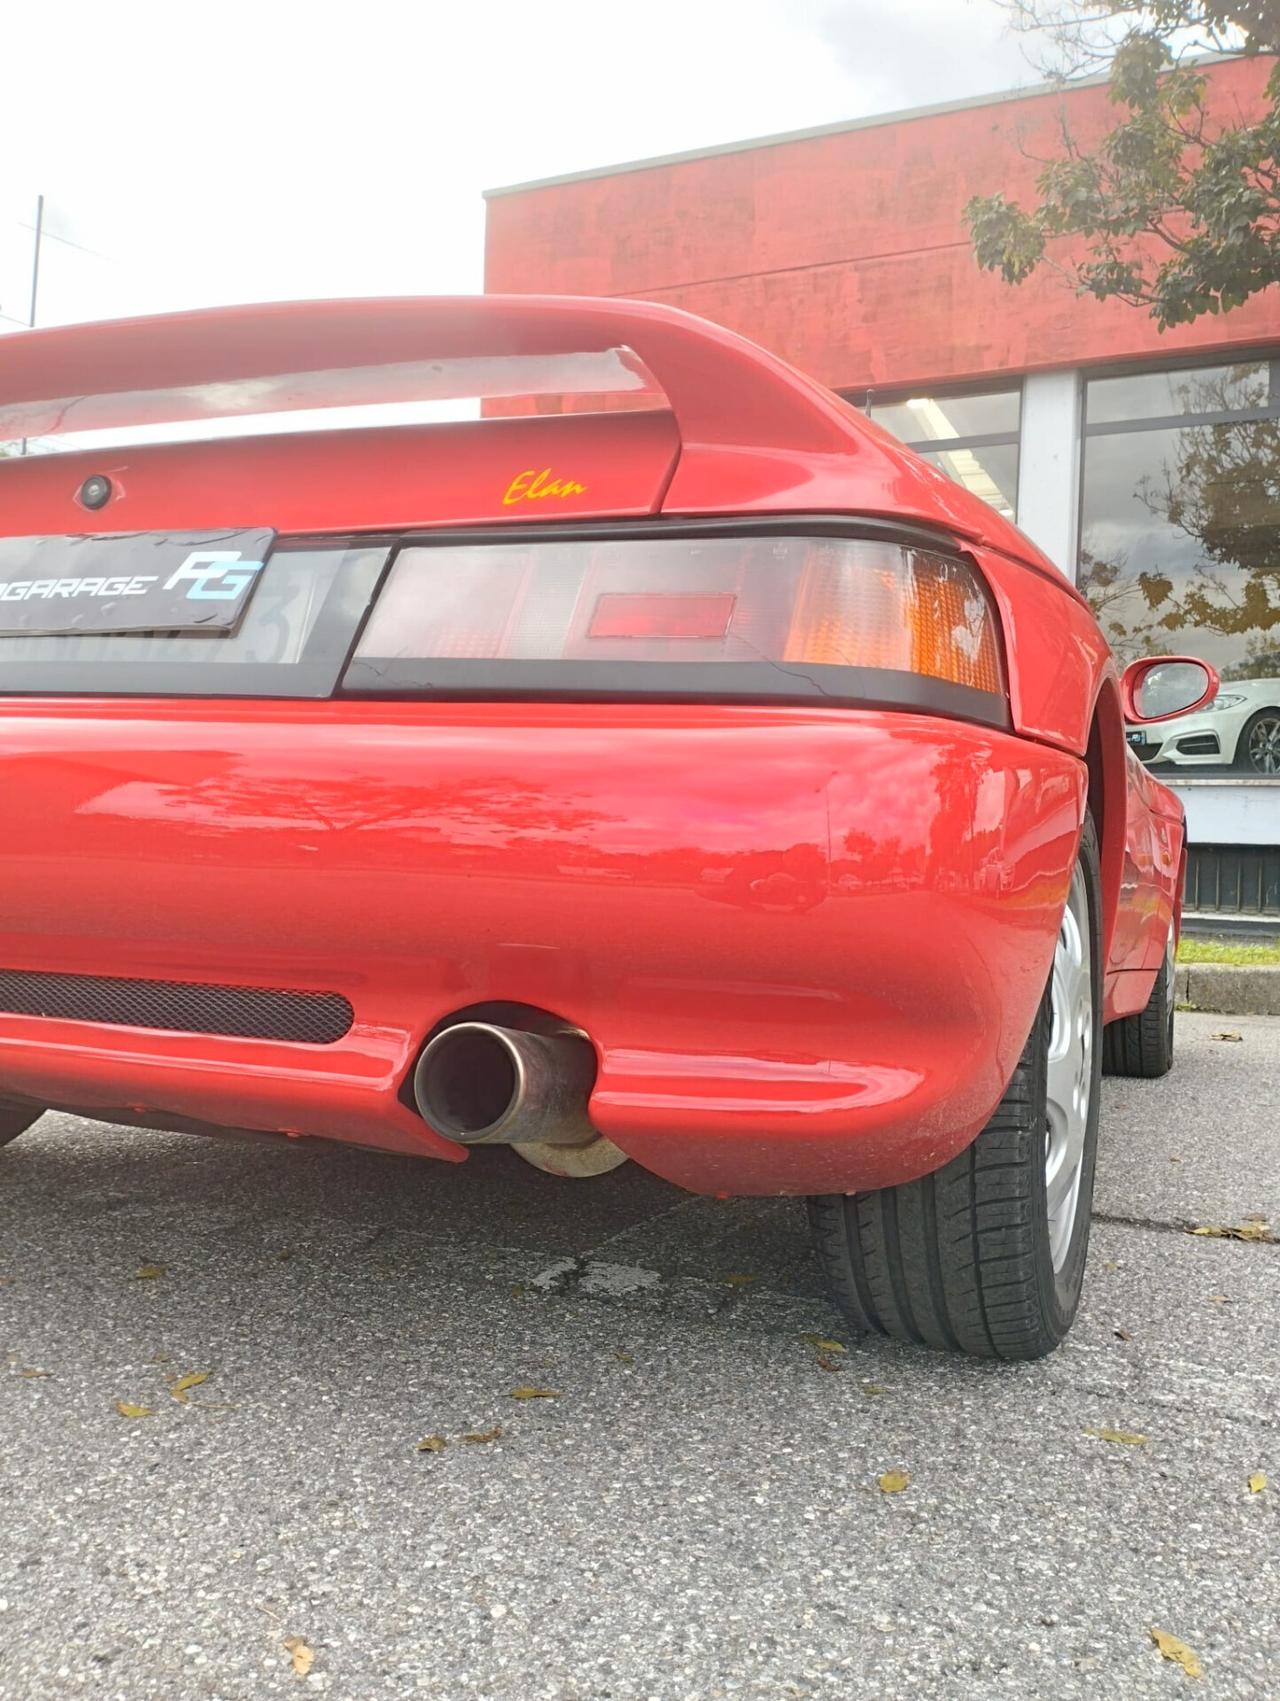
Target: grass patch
{"x": 1243, "y": 954}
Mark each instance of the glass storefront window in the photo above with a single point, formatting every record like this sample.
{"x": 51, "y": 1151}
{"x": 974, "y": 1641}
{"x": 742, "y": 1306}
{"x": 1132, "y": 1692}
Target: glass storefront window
{"x": 1180, "y": 550}
{"x": 990, "y": 472}
{"x": 1166, "y": 395}
{"x": 918, "y": 419}
{"x": 972, "y": 437}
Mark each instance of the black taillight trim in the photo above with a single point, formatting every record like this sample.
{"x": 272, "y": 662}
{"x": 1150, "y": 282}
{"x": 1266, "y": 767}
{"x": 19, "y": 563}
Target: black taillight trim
{"x": 719, "y": 682}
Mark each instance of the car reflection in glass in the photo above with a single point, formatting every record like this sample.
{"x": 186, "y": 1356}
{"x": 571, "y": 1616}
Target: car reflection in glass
{"x": 1239, "y": 729}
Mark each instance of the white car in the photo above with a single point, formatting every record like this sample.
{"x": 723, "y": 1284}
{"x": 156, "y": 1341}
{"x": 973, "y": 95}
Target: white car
{"x": 1240, "y": 728}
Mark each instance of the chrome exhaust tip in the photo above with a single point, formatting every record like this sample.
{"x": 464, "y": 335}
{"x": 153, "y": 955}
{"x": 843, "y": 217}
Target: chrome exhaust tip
{"x": 483, "y": 1085}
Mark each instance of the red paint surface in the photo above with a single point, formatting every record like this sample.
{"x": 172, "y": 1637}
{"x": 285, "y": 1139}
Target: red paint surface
{"x": 342, "y": 481}
{"x": 847, "y": 253}
{"x": 822, "y": 981}
{"x": 807, "y": 944}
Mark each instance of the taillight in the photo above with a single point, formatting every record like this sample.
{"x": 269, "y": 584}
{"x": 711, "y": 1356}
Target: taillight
{"x": 790, "y": 608}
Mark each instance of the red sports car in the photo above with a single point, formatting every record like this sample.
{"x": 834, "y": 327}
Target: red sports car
{"x": 702, "y": 780}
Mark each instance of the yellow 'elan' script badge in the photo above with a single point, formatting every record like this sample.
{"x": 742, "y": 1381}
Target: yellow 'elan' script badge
{"x": 531, "y": 486}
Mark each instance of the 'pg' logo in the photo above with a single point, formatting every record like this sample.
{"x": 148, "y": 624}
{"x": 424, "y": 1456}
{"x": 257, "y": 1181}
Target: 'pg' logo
{"x": 214, "y": 575}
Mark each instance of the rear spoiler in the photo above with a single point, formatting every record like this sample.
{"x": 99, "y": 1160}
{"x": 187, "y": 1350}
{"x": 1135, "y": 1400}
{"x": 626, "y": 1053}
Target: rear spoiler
{"x": 220, "y": 362}
{"x": 751, "y": 434}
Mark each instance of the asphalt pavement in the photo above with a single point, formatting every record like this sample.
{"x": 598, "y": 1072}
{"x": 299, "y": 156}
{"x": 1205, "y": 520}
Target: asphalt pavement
{"x": 692, "y": 1509}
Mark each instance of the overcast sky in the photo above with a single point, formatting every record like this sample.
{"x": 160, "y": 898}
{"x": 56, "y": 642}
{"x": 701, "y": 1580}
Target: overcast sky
{"x": 241, "y": 151}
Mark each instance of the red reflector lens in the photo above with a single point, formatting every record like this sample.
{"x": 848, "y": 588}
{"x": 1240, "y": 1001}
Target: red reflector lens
{"x": 619, "y": 614}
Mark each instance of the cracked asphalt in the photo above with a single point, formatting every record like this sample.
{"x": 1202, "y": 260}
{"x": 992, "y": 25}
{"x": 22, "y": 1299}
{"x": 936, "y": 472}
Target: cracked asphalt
{"x": 696, "y": 1513}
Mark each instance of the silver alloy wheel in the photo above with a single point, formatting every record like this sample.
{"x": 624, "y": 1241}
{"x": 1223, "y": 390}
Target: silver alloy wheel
{"x": 1070, "y": 1068}
{"x": 1264, "y": 745}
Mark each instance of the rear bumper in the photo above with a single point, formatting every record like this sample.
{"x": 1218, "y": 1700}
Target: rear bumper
{"x": 808, "y": 946}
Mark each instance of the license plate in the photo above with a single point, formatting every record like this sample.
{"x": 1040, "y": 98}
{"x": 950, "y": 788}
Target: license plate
{"x": 129, "y": 582}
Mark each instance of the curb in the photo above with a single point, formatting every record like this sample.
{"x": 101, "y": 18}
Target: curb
{"x": 1230, "y": 990}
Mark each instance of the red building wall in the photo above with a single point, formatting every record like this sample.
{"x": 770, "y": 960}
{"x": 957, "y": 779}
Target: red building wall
{"x": 847, "y": 252}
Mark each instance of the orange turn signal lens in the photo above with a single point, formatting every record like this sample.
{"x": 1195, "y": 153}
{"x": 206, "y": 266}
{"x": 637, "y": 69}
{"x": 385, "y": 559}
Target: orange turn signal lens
{"x": 882, "y": 606}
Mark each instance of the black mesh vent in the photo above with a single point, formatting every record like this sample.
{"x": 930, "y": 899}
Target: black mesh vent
{"x": 184, "y": 1007}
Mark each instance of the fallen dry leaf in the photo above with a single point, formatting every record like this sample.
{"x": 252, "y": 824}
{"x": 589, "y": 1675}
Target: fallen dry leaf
{"x": 126, "y": 1410}
{"x": 826, "y": 1362}
{"x": 184, "y": 1384}
{"x": 873, "y": 1388}
{"x": 1123, "y": 1335}
{"x": 303, "y": 1656}
{"x": 432, "y": 1444}
{"x": 893, "y": 1482}
{"x": 1254, "y": 1217}
{"x": 1110, "y": 1265}
{"x": 150, "y": 1272}
{"x": 1219, "y": 1299}
{"x": 1230, "y": 1035}
{"x": 1257, "y": 1482}
{"x": 32, "y": 1374}
{"x": 1250, "y": 1229}
{"x": 735, "y": 1280}
{"x": 1171, "y": 1648}
{"x": 1127, "y": 1437}
{"x": 528, "y": 1393}
{"x": 624, "y": 1357}
{"x": 477, "y": 1437}
{"x": 823, "y": 1345}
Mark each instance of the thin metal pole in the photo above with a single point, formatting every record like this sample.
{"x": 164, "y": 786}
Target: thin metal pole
{"x": 35, "y": 278}
{"x": 35, "y": 261}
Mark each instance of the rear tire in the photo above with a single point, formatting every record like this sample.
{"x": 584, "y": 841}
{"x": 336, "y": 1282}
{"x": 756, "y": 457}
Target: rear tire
{"x": 1142, "y": 1044}
{"x": 986, "y": 1256}
{"x": 15, "y": 1120}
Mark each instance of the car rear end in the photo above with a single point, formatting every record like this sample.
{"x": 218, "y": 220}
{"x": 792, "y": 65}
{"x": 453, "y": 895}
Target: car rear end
{"x": 679, "y": 734}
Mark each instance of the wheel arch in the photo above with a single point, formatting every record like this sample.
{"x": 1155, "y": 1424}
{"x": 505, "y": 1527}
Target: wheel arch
{"x": 1107, "y": 759}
